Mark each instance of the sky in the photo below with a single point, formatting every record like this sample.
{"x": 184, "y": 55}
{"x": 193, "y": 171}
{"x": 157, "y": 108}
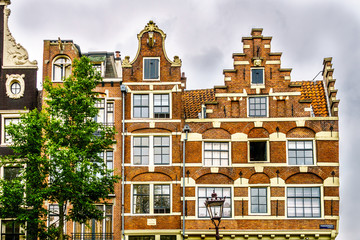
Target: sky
{"x": 205, "y": 33}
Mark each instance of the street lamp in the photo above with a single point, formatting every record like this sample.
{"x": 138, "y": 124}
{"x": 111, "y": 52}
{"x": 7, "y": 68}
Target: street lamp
{"x": 214, "y": 206}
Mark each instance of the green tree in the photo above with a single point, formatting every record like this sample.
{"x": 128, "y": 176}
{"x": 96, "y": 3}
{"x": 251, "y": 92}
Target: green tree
{"x": 69, "y": 140}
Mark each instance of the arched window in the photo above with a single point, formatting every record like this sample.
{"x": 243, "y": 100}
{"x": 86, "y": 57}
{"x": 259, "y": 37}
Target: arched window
{"x": 61, "y": 68}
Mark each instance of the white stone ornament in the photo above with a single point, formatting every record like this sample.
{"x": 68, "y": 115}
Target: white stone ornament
{"x": 15, "y": 85}
{"x": 15, "y": 55}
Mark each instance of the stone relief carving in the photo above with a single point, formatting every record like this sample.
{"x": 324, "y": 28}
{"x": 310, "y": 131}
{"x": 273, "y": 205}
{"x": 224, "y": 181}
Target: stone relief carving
{"x": 15, "y": 55}
{"x": 15, "y": 78}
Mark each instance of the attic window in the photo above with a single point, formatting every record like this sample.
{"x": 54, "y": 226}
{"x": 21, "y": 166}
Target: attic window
{"x": 151, "y": 68}
{"x": 257, "y": 76}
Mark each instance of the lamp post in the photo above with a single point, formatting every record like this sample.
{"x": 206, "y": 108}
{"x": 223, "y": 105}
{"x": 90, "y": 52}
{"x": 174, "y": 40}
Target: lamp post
{"x": 214, "y": 206}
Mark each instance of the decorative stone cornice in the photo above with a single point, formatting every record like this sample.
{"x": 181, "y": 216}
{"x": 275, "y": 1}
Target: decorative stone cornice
{"x": 15, "y": 55}
{"x": 5, "y": 2}
{"x": 151, "y": 27}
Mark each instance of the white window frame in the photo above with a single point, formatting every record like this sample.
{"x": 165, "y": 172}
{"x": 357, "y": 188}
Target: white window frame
{"x": 52, "y": 68}
{"x": 268, "y": 202}
{"x": 267, "y": 149}
{"x": 151, "y": 103}
{"x": 257, "y": 84}
{"x": 151, "y": 149}
{"x": 322, "y": 204}
{"x": 143, "y": 72}
{"x": 301, "y": 139}
{"x": 103, "y": 220}
{"x": 248, "y": 106}
{"x": 106, "y": 102}
{"x": 151, "y": 198}
{"x": 214, "y": 186}
{"x": 216, "y": 141}
{"x": 3, "y": 117}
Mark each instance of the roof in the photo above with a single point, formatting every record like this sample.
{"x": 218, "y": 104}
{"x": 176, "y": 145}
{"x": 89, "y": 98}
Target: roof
{"x": 315, "y": 92}
{"x": 193, "y": 100}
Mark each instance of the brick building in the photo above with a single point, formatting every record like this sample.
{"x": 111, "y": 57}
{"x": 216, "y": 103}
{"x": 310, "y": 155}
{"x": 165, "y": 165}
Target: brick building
{"x": 266, "y": 143}
{"x": 18, "y": 94}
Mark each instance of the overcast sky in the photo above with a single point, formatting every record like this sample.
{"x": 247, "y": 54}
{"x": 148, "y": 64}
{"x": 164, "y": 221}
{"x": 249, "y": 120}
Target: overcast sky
{"x": 204, "y": 34}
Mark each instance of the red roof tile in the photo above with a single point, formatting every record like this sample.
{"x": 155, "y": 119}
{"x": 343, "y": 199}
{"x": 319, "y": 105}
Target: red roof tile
{"x": 315, "y": 92}
{"x": 194, "y": 99}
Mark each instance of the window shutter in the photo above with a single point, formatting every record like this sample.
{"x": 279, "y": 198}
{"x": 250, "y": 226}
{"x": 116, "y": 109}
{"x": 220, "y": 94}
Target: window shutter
{"x": 147, "y": 68}
{"x": 156, "y": 68}
{"x": 257, "y": 76}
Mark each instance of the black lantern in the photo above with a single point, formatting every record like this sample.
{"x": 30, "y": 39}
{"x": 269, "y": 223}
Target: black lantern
{"x": 214, "y": 206}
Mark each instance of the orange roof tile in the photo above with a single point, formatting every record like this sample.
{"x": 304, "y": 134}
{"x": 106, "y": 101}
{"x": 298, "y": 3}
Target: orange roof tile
{"x": 193, "y": 100}
{"x": 315, "y": 92}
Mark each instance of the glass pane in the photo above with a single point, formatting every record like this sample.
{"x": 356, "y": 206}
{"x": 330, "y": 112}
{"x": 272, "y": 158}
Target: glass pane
{"x": 292, "y": 144}
{"x": 316, "y": 192}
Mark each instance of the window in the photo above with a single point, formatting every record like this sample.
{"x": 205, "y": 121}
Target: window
{"x": 141, "y": 106}
{"x": 152, "y": 237}
{"x": 161, "y": 106}
{"x": 151, "y": 68}
{"x": 258, "y": 151}
{"x": 205, "y": 192}
{"x": 151, "y": 150}
{"x": 98, "y": 68}
{"x": 61, "y": 68}
{"x": 161, "y": 198}
{"x": 53, "y": 215}
{"x": 257, "y": 76}
{"x": 96, "y": 229}
{"x": 7, "y": 122}
{"x": 257, "y": 107}
{"x": 151, "y": 199}
{"x": 106, "y": 112}
{"x": 141, "y": 198}
{"x": 216, "y": 153}
{"x": 303, "y": 202}
{"x": 108, "y": 157}
{"x": 15, "y": 88}
{"x": 258, "y": 200}
{"x": 151, "y": 105}
{"x": 11, "y": 173}
{"x": 300, "y": 152}
{"x": 10, "y": 230}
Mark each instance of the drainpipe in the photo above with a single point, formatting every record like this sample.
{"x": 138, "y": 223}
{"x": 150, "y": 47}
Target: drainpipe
{"x": 186, "y": 130}
{"x": 123, "y": 91}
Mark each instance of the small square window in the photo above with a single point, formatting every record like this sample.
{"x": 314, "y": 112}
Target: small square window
{"x": 151, "y": 68}
{"x": 300, "y": 153}
{"x": 257, "y": 76}
{"x": 258, "y": 151}
{"x": 257, "y": 107}
{"x": 216, "y": 153}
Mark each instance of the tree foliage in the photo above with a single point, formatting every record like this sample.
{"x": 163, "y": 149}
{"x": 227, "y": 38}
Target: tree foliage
{"x": 60, "y": 148}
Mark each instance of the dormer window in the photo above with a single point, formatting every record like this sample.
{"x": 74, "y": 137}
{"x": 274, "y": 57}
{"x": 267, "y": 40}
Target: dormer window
{"x": 61, "y": 68}
{"x": 257, "y": 76}
{"x": 151, "y": 68}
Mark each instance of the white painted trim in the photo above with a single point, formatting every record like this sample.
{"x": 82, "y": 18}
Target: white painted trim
{"x": 301, "y": 139}
{"x": 151, "y": 149}
{"x": 268, "y": 203}
{"x": 214, "y": 141}
{"x": 241, "y": 63}
{"x": 251, "y": 119}
{"x": 151, "y": 200}
{"x": 3, "y": 117}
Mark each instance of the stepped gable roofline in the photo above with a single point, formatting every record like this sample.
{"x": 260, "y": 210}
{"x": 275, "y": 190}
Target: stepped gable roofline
{"x": 194, "y": 99}
{"x": 152, "y": 27}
